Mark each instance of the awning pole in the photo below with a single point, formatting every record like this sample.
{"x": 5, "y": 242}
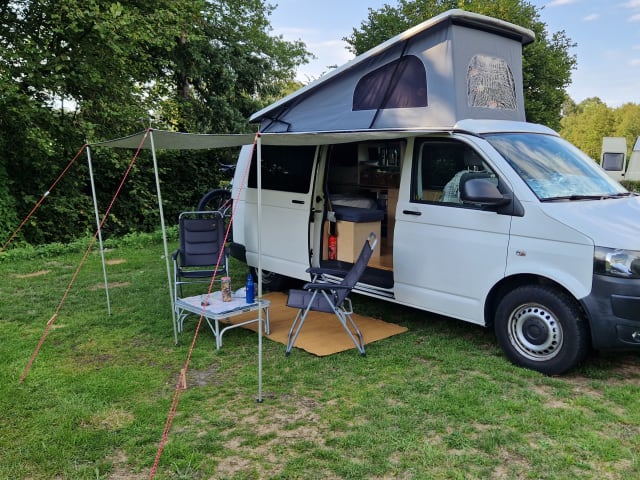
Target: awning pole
{"x": 95, "y": 208}
{"x": 164, "y": 236}
{"x": 260, "y": 319}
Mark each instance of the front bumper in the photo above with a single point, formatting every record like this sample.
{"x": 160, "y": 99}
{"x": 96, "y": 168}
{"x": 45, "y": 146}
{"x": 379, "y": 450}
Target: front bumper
{"x": 613, "y": 310}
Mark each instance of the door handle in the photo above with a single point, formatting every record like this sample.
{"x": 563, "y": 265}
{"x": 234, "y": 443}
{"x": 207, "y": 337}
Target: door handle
{"x": 300, "y": 202}
{"x": 412, "y": 212}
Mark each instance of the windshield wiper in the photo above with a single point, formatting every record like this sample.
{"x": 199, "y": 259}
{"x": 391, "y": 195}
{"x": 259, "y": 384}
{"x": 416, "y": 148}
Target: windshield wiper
{"x": 584, "y": 197}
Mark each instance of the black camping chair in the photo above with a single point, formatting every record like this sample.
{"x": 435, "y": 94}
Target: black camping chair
{"x": 202, "y": 252}
{"x": 322, "y": 296}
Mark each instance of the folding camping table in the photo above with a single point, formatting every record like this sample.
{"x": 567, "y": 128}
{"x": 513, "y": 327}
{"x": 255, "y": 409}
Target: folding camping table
{"x": 219, "y": 311}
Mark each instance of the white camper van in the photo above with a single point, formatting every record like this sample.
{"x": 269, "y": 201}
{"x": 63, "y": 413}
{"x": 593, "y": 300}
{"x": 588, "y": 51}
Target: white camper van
{"x": 482, "y": 216}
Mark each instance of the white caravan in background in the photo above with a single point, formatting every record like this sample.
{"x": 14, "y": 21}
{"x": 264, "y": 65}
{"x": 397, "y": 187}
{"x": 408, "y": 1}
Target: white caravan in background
{"x": 613, "y": 158}
{"x": 481, "y": 216}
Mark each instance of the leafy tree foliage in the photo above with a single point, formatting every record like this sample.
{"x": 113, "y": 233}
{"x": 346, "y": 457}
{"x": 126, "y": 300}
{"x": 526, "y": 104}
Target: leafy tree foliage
{"x": 586, "y": 128}
{"x": 586, "y": 123}
{"x": 547, "y": 63}
{"x": 85, "y": 70}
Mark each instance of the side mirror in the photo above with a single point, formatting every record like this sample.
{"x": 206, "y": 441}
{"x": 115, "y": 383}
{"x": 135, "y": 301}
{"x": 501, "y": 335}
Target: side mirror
{"x": 482, "y": 191}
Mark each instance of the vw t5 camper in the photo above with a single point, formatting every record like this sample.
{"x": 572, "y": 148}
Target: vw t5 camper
{"x": 482, "y": 216}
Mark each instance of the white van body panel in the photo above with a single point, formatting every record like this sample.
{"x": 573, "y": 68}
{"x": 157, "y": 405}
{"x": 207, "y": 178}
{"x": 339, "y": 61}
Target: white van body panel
{"x": 446, "y": 258}
{"x": 284, "y": 237}
{"x": 238, "y": 194}
{"x": 550, "y": 248}
{"x": 612, "y": 223}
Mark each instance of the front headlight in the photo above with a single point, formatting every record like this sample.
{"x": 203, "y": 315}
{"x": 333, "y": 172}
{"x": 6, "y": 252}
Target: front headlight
{"x": 617, "y": 262}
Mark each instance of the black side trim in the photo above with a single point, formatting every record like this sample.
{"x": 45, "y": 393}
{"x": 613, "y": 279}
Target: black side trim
{"x": 371, "y": 276}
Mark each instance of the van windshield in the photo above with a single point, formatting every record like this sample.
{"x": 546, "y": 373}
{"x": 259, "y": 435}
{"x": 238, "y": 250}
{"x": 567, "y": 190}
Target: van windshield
{"x": 553, "y": 168}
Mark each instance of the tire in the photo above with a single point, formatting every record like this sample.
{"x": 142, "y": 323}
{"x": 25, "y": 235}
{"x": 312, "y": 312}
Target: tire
{"x": 541, "y": 328}
{"x": 271, "y": 281}
{"x": 214, "y": 200}
{"x": 218, "y": 200}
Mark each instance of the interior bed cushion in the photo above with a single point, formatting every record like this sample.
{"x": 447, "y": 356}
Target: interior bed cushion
{"x": 357, "y": 215}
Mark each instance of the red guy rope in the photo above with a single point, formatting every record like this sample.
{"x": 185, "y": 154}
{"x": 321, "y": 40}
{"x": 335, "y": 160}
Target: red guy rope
{"x": 84, "y": 258}
{"x": 181, "y": 385}
{"x": 39, "y": 202}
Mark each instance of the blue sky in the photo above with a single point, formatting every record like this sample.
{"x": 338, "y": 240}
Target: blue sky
{"x": 607, "y": 34}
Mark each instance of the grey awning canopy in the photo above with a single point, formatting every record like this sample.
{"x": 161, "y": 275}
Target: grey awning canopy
{"x": 165, "y": 140}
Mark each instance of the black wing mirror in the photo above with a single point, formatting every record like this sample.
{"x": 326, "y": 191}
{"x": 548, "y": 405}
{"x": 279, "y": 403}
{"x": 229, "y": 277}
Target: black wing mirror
{"x": 482, "y": 191}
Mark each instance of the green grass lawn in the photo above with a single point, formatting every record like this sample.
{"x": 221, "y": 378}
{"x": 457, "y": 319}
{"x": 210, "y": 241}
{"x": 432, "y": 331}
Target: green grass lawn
{"x": 439, "y": 401}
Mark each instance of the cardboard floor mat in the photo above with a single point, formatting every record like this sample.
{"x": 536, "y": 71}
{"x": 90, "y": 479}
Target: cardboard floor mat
{"x": 322, "y": 333}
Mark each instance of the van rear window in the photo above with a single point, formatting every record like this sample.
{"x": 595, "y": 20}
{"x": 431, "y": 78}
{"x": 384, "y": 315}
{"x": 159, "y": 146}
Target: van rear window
{"x": 284, "y": 168}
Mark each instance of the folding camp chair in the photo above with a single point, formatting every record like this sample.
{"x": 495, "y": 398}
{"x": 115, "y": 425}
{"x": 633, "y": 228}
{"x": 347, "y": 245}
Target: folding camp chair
{"x": 322, "y": 296}
{"x": 202, "y": 252}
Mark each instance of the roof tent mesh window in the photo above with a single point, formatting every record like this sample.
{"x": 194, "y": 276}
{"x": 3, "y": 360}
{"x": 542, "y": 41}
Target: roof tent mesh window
{"x": 398, "y": 84}
{"x": 284, "y": 168}
{"x": 490, "y": 83}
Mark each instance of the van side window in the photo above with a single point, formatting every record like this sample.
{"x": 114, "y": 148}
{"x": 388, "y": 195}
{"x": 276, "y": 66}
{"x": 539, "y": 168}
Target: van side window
{"x": 439, "y": 168}
{"x": 284, "y": 168}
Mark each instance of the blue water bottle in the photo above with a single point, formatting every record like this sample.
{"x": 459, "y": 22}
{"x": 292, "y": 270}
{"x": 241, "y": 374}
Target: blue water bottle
{"x": 249, "y": 289}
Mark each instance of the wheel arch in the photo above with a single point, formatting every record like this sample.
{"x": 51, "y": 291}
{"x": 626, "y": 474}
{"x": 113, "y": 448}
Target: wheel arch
{"x": 507, "y": 284}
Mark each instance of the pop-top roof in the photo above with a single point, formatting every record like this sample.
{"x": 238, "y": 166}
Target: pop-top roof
{"x": 458, "y": 65}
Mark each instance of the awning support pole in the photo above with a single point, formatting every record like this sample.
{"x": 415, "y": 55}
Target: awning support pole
{"x": 164, "y": 237}
{"x": 260, "y": 319}
{"x": 95, "y": 208}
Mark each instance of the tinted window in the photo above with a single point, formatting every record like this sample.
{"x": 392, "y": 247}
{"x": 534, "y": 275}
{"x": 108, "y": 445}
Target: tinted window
{"x": 398, "y": 84}
{"x": 613, "y": 161}
{"x": 284, "y": 168}
{"x": 441, "y": 166}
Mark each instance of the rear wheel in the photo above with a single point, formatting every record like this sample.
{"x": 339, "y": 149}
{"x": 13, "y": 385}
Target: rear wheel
{"x": 541, "y": 328}
{"x": 218, "y": 199}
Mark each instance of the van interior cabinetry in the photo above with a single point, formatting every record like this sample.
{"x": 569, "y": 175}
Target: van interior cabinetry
{"x": 379, "y": 165}
{"x": 362, "y": 183}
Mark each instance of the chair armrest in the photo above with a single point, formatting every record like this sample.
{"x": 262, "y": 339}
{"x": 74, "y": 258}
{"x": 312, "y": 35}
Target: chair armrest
{"x": 175, "y": 254}
{"x": 328, "y": 271}
{"x": 325, "y": 286}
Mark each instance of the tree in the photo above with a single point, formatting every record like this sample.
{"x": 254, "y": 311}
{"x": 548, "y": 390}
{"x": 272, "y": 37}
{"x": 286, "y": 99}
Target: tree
{"x": 80, "y": 70}
{"x": 547, "y": 64}
{"x": 586, "y": 123}
{"x": 592, "y": 120}
{"x": 627, "y": 123}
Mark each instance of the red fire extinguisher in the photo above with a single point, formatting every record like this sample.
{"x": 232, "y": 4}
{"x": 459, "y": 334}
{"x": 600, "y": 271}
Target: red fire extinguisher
{"x": 333, "y": 247}
{"x": 333, "y": 234}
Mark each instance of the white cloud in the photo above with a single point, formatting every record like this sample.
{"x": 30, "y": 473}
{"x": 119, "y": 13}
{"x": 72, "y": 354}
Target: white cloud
{"x": 635, "y": 18}
{"x": 632, "y": 4}
{"x": 591, "y": 17}
{"x": 634, "y": 62}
